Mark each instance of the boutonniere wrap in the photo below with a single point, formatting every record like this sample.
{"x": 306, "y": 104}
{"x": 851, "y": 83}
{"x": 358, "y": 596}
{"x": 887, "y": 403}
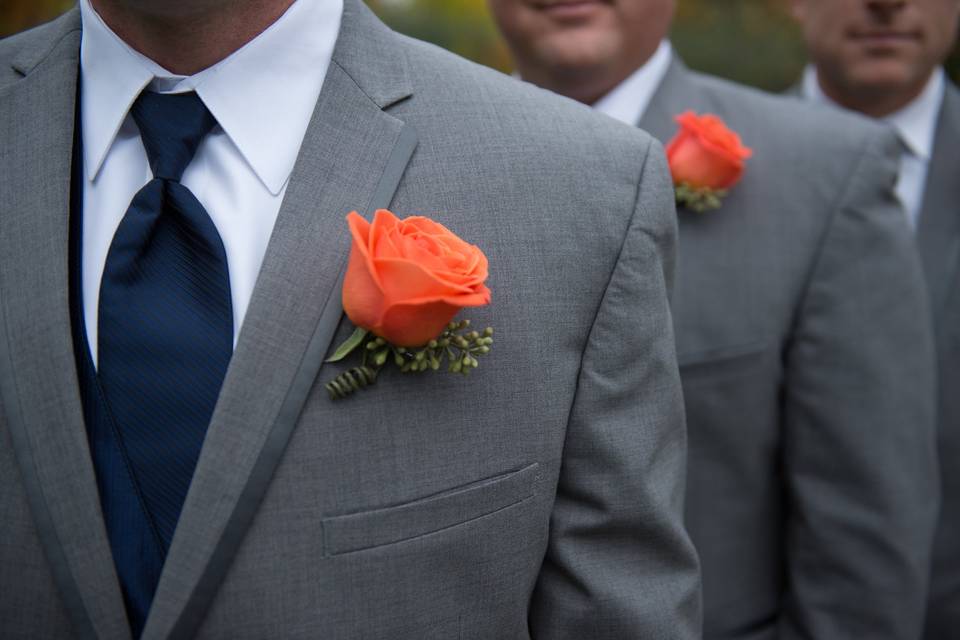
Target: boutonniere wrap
{"x": 405, "y": 282}
{"x": 706, "y": 159}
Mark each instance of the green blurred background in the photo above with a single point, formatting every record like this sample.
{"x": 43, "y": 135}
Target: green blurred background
{"x": 752, "y": 41}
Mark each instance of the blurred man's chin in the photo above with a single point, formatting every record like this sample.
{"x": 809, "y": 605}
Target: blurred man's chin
{"x": 575, "y": 52}
{"x": 167, "y": 9}
{"x": 886, "y": 76}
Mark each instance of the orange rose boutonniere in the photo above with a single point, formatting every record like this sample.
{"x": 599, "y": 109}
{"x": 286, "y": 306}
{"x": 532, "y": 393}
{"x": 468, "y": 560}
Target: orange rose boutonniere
{"x": 706, "y": 159}
{"x": 405, "y": 282}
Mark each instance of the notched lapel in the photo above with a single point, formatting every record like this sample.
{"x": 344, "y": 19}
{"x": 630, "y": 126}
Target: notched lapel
{"x": 38, "y": 380}
{"x": 352, "y": 157}
{"x": 938, "y": 231}
{"x": 675, "y": 95}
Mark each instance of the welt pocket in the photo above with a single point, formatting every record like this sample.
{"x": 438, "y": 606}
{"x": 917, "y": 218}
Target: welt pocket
{"x": 722, "y": 355}
{"x": 452, "y": 507}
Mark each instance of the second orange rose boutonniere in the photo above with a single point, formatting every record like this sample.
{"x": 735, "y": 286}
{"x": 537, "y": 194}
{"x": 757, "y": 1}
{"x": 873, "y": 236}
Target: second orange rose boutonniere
{"x": 706, "y": 159}
{"x": 405, "y": 282}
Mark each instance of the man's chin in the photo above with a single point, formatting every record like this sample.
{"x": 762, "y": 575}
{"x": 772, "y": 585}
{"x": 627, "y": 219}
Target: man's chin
{"x": 167, "y": 9}
{"x": 886, "y": 77}
{"x": 572, "y": 55}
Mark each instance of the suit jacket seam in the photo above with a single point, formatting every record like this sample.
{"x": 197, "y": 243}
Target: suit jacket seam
{"x": 950, "y": 105}
{"x": 336, "y": 63}
{"x": 606, "y": 287}
{"x": 836, "y": 210}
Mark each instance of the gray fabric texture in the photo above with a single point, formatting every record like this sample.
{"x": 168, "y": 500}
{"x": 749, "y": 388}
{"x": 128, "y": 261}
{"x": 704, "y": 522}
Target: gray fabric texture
{"x": 938, "y": 236}
{"x": 541, "y": 497}
{"x": 807, "y": 368}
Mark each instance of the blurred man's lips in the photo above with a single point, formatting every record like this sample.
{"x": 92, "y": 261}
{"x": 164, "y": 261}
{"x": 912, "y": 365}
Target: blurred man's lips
{"x": 569, "y": 9}
{"x": 885, "y": 38}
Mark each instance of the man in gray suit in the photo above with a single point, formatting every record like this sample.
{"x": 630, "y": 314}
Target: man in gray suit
{"x": 804, "y": 352}
{"x": 539, "y": 498}
{"x": 884, "y": 59}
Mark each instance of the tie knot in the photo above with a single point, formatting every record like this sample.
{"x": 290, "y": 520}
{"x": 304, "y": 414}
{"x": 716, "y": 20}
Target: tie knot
{"x": 171, "y": 127}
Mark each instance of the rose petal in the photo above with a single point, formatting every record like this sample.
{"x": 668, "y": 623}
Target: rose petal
{"x": 384, "y": 223}
{"x": 693, "y": 164}
{"x": 404, "y": 279}
{"x": 425, "y": 225}
{"x": 413, "y": 325}
{"x": 476, "y": 298}
{"x": 407, "y": 278}
{"x": 423, "y": 251}
{"x": 705, "y": 153}
{"x": 362, "y": 297}
{"x": 712, "y": 132}
{"x": 360, "y": 231}
{"x": 389, "y": 246}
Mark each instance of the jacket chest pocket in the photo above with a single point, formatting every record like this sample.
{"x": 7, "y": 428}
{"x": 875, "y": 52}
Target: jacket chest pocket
{"x": 726, "y": 360}
{"x": 442, "y": 511}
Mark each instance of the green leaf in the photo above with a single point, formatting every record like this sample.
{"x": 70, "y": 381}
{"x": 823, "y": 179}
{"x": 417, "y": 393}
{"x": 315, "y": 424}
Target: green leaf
{"x": 351, "y": 343}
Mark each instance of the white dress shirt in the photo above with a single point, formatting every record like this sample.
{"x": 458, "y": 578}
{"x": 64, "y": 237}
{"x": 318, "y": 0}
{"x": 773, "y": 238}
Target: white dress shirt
{"x": 628, "y": 101}
{"x": 262, "y": 97}
{"x": 916, "y": 124}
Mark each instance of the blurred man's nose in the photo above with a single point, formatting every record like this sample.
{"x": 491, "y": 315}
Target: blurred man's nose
{"x": 885, "y": 10}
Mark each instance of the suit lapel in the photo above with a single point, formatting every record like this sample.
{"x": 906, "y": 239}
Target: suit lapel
{"x": 938, "y": 232}
{"x": 38, "y": 381}
{"x": 674, "y": 96}
{"x": 352, "y": 157}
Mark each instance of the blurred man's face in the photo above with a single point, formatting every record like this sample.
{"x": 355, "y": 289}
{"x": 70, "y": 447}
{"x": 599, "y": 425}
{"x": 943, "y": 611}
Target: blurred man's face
{"x": 587, "y": 46}
{"x": 874, "y": 50}
{"x": 162, "y": 9}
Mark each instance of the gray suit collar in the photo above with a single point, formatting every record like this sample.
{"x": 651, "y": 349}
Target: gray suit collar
{"x": 353, "y": 156}
{"x": 938, "y": 231}
{"x": 368, "y": 52}
{"x": 677, "y": 93}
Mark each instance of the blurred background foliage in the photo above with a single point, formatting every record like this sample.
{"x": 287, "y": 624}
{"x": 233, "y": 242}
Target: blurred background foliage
{"x": 751, "y": 41}
{"x": 17, "y": 15}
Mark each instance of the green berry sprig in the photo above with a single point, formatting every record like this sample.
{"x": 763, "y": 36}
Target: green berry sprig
{"x": 699, "y": 199}
{"x": 456, "y": 348}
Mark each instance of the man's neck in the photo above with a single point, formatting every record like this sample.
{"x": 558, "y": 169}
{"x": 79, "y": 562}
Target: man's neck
{"x": 189, "y": 41}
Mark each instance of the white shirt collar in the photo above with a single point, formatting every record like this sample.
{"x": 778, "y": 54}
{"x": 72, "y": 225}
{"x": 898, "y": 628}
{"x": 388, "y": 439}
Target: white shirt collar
{"x": 629, "y": 100}
{"x": 262, "y": 95}
{"x": 916, "y": 123}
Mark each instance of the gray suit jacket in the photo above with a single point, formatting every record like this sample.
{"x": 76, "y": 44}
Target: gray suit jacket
{"x": 807, "y": 369}
{"x": 541, "y": 497}
{"x": 938, "y": 236}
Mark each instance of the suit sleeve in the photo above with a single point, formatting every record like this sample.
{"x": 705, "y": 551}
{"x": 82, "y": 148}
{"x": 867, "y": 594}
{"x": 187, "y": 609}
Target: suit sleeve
{"x": 859, "y": 434}
{"x": 619, "y": 563}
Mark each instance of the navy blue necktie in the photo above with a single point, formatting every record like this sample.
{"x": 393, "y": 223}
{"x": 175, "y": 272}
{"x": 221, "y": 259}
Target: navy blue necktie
{"x": 165, "y": 334}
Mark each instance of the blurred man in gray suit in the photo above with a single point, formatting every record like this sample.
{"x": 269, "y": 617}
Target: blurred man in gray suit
{"x": 804, "y": 348}
{"x": 883, "y": 59}
{"x": 540, "y": 498}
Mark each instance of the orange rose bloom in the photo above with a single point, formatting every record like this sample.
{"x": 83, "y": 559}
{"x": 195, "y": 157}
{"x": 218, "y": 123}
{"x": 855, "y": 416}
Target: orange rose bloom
{"x": 705, "y": 153}
{"x": 408, "y": 278}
